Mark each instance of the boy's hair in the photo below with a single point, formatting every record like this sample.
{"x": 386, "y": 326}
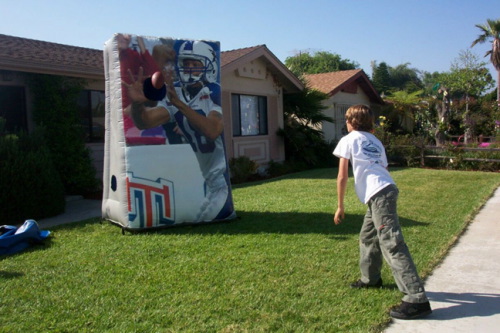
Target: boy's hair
{"x": 360, "y": 117}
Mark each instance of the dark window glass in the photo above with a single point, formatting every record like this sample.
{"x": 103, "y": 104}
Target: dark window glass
{"x": 13, "y": 108}
{"x": 92, "y": 114}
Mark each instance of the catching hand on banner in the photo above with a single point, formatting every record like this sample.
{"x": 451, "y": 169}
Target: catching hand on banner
{"x": 135, "y": 88}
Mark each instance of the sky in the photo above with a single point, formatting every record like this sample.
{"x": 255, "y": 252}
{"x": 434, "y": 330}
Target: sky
{"x": 427, "y": 34}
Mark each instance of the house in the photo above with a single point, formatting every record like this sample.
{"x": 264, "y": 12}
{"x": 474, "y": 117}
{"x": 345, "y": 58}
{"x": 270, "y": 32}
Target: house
{"x": 254, "y": 78}
{"x": 20, "y": 57}
{"x": 253, "y": 83}
{"x": 344, "y": 89}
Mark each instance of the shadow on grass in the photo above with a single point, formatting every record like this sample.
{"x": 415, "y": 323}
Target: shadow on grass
{"x": 5, "y": 275}
{"x": 75, "y": 225}
{"x": 35, "y": 247}
{"x": 277, "y": 223}
{"x": 253, "y": 223}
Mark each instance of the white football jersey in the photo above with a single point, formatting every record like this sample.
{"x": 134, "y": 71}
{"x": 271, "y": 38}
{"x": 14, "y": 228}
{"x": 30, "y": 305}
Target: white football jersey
{"x": 210, "y": 154}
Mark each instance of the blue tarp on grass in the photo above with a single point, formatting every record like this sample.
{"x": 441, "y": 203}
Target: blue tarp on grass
{"x": 14, "y": 239}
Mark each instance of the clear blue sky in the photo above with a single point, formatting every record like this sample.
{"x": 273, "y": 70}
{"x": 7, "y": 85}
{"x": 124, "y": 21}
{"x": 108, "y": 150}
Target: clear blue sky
{"x": 429, "y": 34}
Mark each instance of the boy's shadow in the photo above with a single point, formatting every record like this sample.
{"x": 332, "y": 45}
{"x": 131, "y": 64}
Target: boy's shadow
{"x": 462, "y": 305}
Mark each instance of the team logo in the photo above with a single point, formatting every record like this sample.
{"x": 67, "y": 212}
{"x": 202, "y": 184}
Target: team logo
{"x": 150, "y": 202}
{"x": 370, "y": 149}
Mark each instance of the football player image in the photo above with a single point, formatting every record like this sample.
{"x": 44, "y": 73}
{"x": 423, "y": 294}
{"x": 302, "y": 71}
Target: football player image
{"x": 191, "y": 102}
{"x": 132, "y": 57}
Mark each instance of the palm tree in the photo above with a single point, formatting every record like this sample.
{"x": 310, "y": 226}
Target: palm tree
{"x": 491, "y": 30}
{"x": 405, "y": 105}
{"x": 304, "y": 140}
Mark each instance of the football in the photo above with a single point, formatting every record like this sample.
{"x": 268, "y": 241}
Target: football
{"x": 158, "y": 80}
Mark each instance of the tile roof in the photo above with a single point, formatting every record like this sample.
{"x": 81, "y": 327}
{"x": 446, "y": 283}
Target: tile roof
{"x": 31, "y": 55}
{"x": 333, "y": 82}
{"x": 227, "y": 57}
{"x": 42, "y": 55}
{"x": 329, "y": 82}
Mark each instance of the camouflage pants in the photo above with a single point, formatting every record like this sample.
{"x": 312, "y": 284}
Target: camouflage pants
{"x": 381, "y": 236}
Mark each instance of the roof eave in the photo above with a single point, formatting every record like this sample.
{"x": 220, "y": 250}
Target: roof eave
{"x": 291, "y": 83}
{"x": 86, "y": 73}
{"x": 365, "y": 85}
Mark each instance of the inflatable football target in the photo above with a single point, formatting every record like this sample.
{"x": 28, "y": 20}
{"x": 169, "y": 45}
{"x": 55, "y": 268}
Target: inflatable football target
{"x": 164, "y": 158}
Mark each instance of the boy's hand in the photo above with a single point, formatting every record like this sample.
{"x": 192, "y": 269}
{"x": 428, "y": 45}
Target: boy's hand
{"x": 339, "y": 216}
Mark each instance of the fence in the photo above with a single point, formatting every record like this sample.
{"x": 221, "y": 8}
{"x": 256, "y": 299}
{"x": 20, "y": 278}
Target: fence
{"x": 426, "y": 152}
{"x": 460, "y": 150}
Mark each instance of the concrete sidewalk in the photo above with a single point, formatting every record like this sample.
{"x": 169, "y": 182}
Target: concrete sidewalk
{"x": 77, "y": 209}
{"x": 464, "y": 290}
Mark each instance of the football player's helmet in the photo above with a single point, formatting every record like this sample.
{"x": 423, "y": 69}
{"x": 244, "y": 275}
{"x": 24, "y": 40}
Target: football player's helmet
{"x": 200, "y": 51}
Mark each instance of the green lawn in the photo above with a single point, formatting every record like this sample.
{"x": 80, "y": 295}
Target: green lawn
{"x": 283, "y": 266}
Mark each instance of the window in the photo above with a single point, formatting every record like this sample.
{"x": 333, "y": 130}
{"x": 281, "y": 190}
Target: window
{"x": 13, "y": 108}
{"x": 92, "y": 114}
{"x": 249, "y": 115}
{"x": 339, "y": 120}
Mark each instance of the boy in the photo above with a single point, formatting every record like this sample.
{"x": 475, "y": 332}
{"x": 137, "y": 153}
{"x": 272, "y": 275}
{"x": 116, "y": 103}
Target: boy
{"x": 380, "y": 233}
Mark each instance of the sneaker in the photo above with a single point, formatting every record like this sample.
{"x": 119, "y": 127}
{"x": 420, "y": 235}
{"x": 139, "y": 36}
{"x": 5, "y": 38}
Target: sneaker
{"x": 361, "y": 285}
{"x": 411, "y": 310}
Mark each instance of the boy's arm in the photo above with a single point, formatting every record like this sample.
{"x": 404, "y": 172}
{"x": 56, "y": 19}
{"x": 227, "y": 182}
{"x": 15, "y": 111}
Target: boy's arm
{"x": 342, "y": 177}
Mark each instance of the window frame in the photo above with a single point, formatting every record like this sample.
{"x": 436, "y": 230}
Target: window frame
{"x": 262, "y": 112}
{"x": 88, "y": 116}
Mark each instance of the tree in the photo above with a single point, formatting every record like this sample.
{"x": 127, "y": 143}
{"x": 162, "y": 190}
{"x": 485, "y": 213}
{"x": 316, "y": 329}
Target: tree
{"x": 468, "y": 75}
{"x": 491, "y": 31}
{"x": 387, "y": 79}
{"x": 431, "y": 82}
{"x": 303, "y": 112}
{"x": 319, "y": 62}
{"x": 405, "y": 78}
{"x": 381, "y": 78}
{"x": 304, "y": 142}
{"x": 468, "y": 78}
{"x": 442, "y": 105}
{"x": 55, "y": 108}
{"x": 405, "y": 106}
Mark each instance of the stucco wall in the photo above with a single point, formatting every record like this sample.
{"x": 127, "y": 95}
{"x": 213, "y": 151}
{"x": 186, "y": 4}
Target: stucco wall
{"x": 332, "y": 131}
{"x": 253, "y": 79}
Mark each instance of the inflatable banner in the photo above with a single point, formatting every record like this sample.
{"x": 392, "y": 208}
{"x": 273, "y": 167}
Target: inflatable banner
{"x": 164, "y": 156}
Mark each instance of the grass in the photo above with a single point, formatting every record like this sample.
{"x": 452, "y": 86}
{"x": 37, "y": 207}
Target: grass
{"x": 282, "y": 267}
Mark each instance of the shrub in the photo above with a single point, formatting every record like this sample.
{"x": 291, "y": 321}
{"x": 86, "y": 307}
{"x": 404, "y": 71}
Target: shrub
{"x": 276, "y": 169}
{"x": 305, "y": 146}
{"x": 31, "y": 186}
{"x": 242, "y": 168}
{"x": 55, "y": 108}
{"x": 462, "y": 159}
{"x": 405, "y": 150}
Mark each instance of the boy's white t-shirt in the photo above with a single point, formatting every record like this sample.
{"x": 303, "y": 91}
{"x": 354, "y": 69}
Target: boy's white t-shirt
{"x": 368, "y": 160}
